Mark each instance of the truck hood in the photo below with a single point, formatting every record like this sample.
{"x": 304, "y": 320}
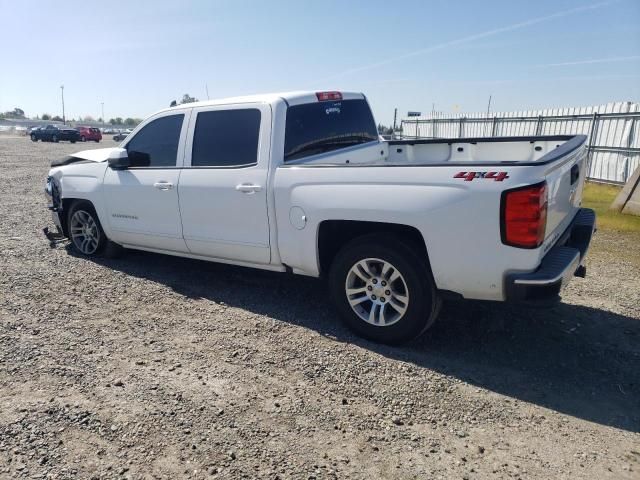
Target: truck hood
{"x": 97, "y": 155}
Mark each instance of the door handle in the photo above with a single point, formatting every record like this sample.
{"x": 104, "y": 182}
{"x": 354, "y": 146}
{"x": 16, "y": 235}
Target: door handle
{"x": 575, "y": 173}
{"x": 248, "y": 188}
{"x": 163, "y": 185}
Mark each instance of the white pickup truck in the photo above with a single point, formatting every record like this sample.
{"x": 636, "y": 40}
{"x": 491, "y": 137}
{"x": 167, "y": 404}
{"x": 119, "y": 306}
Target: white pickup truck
{"x": 301, "y": 182}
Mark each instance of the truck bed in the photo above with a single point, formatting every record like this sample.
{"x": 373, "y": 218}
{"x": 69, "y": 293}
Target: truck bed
{"x": 452, "y": 197}
{"x": 480, "y": 151}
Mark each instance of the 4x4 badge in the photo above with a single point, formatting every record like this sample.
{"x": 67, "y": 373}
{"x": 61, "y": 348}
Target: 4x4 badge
{"x": 469, "y": 176}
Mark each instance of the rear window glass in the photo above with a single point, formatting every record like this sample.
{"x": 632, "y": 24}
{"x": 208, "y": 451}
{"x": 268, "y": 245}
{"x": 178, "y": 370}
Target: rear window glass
{"x": 226, "y": 138}
{"x": 321, "y": 127}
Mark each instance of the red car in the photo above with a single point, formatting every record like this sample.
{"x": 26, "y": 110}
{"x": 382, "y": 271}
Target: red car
{"x": 89, "y": 133}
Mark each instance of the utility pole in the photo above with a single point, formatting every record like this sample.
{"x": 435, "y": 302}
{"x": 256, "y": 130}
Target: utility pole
{"x": 64, "y": 121}
{"x": 489, "y": 113}
{"x": 395, "y": 116}
{"x": 102, "y": 105}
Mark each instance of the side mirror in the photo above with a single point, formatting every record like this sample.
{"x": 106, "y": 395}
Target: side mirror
{"x": 119, "y": 159}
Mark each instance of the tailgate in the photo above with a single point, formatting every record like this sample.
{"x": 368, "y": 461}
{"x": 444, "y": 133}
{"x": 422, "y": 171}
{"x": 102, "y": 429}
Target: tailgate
{"x": 565, "y": 181}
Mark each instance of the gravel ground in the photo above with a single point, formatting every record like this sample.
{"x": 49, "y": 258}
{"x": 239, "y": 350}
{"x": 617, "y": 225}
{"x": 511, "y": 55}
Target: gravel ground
{"x": 157, "y": 367}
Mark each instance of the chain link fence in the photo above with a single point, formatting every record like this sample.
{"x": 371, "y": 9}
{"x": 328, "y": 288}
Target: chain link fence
{"x": 613, "y": 132}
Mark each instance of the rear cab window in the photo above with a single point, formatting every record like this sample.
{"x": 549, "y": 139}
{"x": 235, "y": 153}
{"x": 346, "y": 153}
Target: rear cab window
{"x": 325, "y": 126}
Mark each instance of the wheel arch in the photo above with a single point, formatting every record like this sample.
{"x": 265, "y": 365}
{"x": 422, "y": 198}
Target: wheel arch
{"x": 67, "y": 204}
{"x": 334, "y": 234}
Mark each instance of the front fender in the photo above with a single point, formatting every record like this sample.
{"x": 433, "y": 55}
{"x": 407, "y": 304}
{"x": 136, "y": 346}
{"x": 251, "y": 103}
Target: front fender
{"x": 83, "y": 181}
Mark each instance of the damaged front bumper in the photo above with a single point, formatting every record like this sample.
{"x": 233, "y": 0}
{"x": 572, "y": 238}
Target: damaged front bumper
{"x": 54, "y": 204}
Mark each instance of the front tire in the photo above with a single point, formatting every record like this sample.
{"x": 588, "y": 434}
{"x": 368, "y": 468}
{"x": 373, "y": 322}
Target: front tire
{"x": 84, "y": 229}
{"x": 34, "y": 138}
{"x": 383, "y": 290}
{"x": 54, "y": 139}
{"x": 82, "y": 139}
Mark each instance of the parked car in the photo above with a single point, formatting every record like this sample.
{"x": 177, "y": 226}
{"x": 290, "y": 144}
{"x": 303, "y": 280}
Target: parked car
{"x": 89, "y": 133}
{"x": 55, "y": 133}
{"x": 118, "y": 137}
{"x": 302, "y": 183}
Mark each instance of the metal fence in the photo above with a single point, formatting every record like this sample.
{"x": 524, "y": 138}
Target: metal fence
{"x": 613, "y": 132}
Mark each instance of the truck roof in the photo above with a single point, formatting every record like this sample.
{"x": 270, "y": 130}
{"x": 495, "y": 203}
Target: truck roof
{"x": 292, "y": 98}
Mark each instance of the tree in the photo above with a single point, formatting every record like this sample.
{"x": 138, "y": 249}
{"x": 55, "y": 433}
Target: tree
{"x": 88, "y": 118}
{"x": 46, "y": 116}
{"x": 15, "y": 113}
{"x": 382, "y": 130}
{"x": 186, "y": 98}
{"x": 99, "y": 120}
{"x": 57, "y": 118}
{"x": 112, "y": 121}
{"x": 118, "y": 120}
{"x": 129, "y": 122}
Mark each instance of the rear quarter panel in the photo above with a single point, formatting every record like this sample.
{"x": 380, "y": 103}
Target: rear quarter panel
{"x": 459, "y": 220}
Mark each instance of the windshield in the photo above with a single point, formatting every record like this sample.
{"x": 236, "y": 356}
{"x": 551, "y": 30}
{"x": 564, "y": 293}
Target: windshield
{"x": 322, "y": 127}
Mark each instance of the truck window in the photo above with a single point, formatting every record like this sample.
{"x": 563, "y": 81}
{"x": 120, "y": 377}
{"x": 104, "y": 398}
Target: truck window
{"x": 226, "y": 138}
{"x": 156, "y": 145}
{"x": 321, "y": 127}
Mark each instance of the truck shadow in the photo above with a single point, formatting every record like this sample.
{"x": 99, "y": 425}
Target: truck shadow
{"x": 581, "y": 361}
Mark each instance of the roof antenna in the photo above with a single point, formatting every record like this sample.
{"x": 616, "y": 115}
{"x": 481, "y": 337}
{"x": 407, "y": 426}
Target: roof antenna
{"x": 206, "y": 87}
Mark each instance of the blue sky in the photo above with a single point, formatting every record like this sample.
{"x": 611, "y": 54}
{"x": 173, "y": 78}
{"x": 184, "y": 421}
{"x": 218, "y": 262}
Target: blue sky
{"x": 138, "y": 56}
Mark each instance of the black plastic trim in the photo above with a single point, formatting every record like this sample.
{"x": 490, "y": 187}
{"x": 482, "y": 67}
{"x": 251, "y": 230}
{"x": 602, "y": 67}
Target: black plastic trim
{"x": 521, "y": 138}
{"x": 546, "y": 282}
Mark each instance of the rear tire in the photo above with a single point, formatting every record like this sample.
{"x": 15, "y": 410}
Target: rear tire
{"x": 383, "y": 290}
{"x": 34, "y": 138}
{"x": 82, "y": 139}
{"x": 55, "y": 139}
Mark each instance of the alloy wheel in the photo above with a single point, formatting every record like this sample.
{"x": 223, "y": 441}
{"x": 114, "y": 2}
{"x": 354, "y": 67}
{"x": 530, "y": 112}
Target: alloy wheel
{"x": 84, "y": 232}
{"x": 377, "y": 292}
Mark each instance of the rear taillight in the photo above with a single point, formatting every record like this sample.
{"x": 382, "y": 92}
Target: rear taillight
{"x": 524, "y": 216}
{"x": 324, "y": 96}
